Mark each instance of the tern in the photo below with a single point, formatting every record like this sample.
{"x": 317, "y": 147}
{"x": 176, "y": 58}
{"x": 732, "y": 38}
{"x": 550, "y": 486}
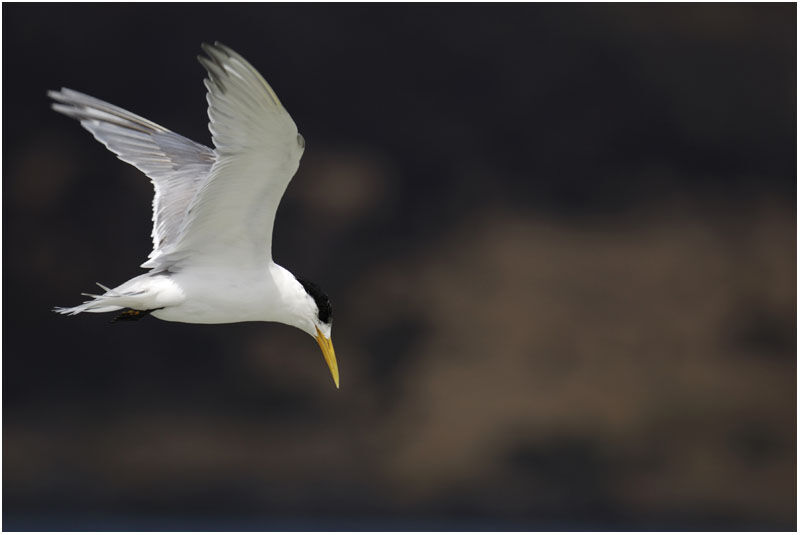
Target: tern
{"x": 213, "y": 209}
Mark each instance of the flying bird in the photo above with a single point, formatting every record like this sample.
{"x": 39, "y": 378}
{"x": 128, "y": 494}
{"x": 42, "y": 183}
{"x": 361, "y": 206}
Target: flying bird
{"x": 213, "y": 209}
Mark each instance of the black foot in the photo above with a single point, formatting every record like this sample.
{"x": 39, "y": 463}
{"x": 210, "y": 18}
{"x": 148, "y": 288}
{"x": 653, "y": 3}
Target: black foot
{"x": 131, "y": 314}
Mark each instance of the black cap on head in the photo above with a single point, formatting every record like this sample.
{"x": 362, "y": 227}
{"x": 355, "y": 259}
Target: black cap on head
{"x": 325, "y": 313}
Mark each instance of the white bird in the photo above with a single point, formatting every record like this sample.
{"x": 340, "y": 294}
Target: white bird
{"x": 213, "y": 209}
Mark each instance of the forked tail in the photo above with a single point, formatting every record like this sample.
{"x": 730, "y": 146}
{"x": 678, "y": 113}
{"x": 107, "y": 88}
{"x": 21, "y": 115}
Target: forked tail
{"x": 110, "y": 301}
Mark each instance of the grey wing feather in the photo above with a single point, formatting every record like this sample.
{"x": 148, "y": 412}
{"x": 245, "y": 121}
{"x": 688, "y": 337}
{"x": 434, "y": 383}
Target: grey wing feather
{"x": 230, "y": 219}
{"x": 177, "y": 166}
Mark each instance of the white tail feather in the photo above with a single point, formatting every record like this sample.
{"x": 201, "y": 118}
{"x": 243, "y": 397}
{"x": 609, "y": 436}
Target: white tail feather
{"x": 88, "y": 306}
{"x": 140, "y": 293}
{"x": 98, "y": 303}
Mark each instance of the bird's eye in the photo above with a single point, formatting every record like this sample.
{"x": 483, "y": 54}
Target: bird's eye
{"x": 301, "y": 141}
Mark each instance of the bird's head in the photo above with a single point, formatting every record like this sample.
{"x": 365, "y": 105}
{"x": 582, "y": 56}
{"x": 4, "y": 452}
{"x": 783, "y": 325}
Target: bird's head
{"x": 317, "y": 321}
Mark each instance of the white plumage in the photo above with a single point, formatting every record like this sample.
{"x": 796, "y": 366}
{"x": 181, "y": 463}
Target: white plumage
{"x": 213, "y": 209}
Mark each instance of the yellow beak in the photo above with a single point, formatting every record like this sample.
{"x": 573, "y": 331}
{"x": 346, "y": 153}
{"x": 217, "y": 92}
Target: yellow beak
{"x": 326, "y": 346}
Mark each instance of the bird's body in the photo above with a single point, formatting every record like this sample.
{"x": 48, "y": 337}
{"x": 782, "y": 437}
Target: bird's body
{"x": 213, "y": 209}
{"x": 208, "y": 295}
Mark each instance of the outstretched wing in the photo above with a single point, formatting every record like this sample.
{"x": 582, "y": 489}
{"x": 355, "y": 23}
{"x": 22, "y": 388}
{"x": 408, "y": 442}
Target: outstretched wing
{"x": 175, "y": 165}
{"x": 258, "y": 151}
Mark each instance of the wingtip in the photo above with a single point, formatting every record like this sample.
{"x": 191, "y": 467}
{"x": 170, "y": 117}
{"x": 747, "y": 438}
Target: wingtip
{"x": 59, "y": 95}
{"x": 218, "y": 52}
{"x": 225, "y": 48}
{"x": 214, "y": 51}
{"x": 214, "y": 68}
{"x": 216, "y": 46}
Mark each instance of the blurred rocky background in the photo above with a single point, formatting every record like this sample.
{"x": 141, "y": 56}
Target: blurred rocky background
{"x": 559, "y": 240}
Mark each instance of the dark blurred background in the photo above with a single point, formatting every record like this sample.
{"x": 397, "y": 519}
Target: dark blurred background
{"x": 559, "y": 240}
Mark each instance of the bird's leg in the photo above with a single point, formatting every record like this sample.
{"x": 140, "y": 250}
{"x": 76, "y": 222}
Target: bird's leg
{"x": 132, "y": 314}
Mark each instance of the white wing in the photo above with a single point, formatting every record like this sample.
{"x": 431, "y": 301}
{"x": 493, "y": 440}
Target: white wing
{"x": 258, "y": 151}
{"x": 175, "y": 165}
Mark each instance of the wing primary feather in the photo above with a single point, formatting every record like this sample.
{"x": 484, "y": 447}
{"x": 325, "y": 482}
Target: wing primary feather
{"x": 176, "y": 165}
{"x": 210, "y": 205}
{"x": 215, "y": 73}
{"x": 231, "y": 217}
{"x": 86, "y": 104}
{"x": 85, "y": 115}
